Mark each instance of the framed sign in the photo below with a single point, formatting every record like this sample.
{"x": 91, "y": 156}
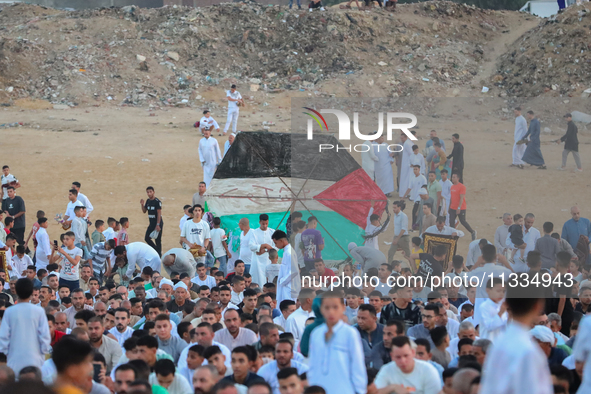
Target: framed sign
{"x": 430, "y": 241}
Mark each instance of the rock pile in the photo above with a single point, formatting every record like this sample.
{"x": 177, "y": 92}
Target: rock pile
{"x": 554, "y": 58}
{"x": 173, "y": 55}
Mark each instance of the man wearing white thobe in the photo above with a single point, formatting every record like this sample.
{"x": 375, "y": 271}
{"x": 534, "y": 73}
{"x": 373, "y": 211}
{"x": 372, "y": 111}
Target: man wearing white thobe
{"x": 209, "y": 156}
{"x": 234, "y": 97}
{"x": 288, "y": 281}
{"x": 446, "y": 195}
{"x": 520, "y": 132}
{"x": 383, "y": 167}
{"x": 260, "y": 244}
{"x": 245, "y": 237}
{"x": 405, "y": 165}
{"x": 369, "y": 159}
{"x": 24, "y": 332}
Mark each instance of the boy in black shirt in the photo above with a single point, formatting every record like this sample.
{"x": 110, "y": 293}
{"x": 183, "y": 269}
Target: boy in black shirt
{"x": 154, "y": 208}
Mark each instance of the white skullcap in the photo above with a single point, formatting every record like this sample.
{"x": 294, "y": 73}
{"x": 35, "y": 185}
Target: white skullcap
{"x": 542, "y": 334}
{"x": 352, "y": 245}
{"x": 180, "y": 284}
{"x": 165, "y": 281}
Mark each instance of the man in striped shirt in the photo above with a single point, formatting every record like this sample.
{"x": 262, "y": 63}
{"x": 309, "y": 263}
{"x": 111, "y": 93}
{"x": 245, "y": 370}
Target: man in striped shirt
{"x": 100, "y": 259}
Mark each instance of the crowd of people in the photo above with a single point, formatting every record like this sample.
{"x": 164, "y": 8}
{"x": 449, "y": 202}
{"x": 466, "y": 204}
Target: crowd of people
{"x": 98, "y": 312}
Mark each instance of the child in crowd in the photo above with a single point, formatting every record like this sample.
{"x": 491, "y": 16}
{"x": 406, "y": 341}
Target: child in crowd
{"x": 207, "y": 122}
{"x": 575, "y": 270}
{"x": 516, "y": 237}
{"x": 493, "y": 311}
{"x": 416, "y": 249}
{"x": 353, "y": 296}
{"x": 188, "y": 215}
{"x": 219, "y": 244}
{"x": 20, "y": 262}
{"x": 122, "y": 238}
{"x": 97, "y": 234}
{"x": 298, "y": 228}
{"x": 110, "y": 233}
{"x": 8, "y": 225}
{"x": 272, "y": 270}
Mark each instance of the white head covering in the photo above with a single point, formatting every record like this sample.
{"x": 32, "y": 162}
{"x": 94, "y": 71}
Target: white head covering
{"x": 180, "y": 284}
{"x": 543, "y": 334}
{"x": 166, "y": 281}
{"x": 352, "y": 245}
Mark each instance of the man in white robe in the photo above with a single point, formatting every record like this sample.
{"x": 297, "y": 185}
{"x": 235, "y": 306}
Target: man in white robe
{"x": 405, "y": 165}
{"x": 24, "y": 332}
{"x": 245, "y": 252}
{"x": 520, "y": 132}
{"x": 260, "y": 244}
{"x": 209, "y": 156}
{"x": 383, "y": 167}
{"x": 140, "y": 254}
{"x": 369, "y": 159}
{"x": 288, "y": 281}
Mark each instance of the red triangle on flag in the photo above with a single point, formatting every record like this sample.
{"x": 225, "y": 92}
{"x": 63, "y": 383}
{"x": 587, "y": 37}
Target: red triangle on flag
{"x": 351, "y": 197}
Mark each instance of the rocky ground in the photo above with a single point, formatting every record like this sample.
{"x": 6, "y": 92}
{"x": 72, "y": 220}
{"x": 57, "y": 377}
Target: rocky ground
{"x": 178, "y": 56}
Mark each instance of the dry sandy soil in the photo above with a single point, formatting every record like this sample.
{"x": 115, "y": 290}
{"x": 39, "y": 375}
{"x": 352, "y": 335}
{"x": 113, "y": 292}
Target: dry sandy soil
{"x": 105, "y": 149}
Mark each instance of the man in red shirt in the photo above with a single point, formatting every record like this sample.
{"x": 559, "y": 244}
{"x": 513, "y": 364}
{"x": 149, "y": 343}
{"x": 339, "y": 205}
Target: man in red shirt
{"x": 323, "y": 272}
{"x": 55, "y": 334}
{"x": 457, "y": 206}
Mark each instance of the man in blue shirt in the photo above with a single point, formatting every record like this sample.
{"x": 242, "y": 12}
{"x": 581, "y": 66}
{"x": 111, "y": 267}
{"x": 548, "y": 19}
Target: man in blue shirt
{"x": 575, "y": 227}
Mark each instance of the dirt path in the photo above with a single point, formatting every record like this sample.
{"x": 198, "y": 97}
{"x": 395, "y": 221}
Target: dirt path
{"x": 518, "y": 27}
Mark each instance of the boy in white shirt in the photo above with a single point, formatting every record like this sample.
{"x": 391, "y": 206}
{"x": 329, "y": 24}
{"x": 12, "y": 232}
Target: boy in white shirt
{"x": 219, "y": 244}
{"x": 110, "y": 233}
{"x": 185, "y": 217}
{"x": 70, "y": 259}
{"x": 493, "y": 311}
{"x": 19, "y": 263}
{"x": 272, "y": 270}
{"x": 207, "y": 122}
{"x": 195, "y": 235}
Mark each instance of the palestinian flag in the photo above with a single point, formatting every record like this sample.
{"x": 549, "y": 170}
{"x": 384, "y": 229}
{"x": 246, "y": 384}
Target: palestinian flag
{"x": 278, "y": 173}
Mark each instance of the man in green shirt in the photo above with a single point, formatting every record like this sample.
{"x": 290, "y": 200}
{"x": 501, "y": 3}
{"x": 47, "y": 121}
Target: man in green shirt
{"x": 434, "y": 190}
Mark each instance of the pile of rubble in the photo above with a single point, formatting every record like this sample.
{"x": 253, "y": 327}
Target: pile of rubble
{"x": 554, "y": 58}
{"x": 175, "y": 55}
